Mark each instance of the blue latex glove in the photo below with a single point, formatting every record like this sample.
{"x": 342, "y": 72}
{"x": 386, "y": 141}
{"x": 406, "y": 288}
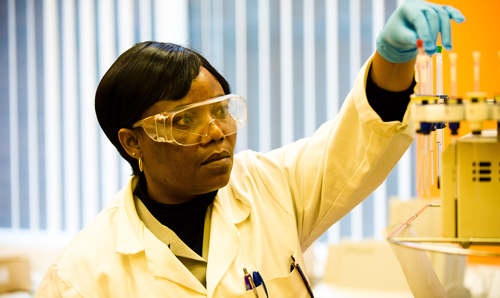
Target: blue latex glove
{"x": 416, "y": 19}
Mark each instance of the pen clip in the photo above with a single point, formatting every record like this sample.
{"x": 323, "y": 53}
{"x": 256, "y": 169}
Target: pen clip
{"x": 302, "y": 276}
{"x": 292, "y": 265}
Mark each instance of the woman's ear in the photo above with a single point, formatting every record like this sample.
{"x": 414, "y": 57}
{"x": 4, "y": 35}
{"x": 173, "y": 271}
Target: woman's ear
{"x": 130, "y": 142}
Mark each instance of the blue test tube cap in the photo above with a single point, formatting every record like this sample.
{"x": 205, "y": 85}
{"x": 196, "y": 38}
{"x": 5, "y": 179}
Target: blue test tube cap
{"x": 440, "y": 125}
{"x": 426, "y": 127}
{"x": 454, "y": 126}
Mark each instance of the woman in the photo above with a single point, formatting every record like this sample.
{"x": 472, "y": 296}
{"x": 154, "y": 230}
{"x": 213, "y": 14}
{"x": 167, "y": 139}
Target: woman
{"x": 195, "y": 219}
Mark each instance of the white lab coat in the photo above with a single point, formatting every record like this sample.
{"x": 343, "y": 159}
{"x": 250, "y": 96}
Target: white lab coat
{"x": 275, "y": 205}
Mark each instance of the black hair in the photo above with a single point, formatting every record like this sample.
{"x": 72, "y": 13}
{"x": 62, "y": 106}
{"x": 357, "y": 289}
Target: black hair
{"x": 143, "y": 75}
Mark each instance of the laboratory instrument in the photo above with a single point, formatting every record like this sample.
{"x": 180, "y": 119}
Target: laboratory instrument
{"x": 468, "y": 168}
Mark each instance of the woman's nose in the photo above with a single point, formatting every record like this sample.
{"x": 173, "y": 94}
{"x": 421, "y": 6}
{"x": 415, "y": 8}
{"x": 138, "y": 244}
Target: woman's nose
{"x": 214, "y": 132}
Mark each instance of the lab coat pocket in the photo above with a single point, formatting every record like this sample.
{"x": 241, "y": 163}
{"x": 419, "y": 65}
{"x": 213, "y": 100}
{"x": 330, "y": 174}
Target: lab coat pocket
{"x": 291, "y": 285}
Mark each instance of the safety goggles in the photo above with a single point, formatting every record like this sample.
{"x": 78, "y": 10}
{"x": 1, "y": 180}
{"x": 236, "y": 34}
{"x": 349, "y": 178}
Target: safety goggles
{"x": 188, "y": 125}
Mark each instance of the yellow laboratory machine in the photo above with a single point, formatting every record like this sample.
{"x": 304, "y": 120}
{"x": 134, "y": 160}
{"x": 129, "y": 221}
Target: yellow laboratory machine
{"x": 468, "y": 177}
{"x": 470, "y": 188}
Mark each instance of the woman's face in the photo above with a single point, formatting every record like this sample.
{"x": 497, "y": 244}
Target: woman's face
{"x": 177, "y": 174}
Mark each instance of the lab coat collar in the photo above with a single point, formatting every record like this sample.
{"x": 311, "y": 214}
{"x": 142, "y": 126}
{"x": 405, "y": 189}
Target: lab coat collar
{"x": 132, "y": 237}
{"x": 224, "y": 244}
{"x": 129, "y": 239}
{"x": 164, "y": 264}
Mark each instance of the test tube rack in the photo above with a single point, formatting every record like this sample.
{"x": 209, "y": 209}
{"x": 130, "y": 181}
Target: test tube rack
{"x": 427, "y": 111}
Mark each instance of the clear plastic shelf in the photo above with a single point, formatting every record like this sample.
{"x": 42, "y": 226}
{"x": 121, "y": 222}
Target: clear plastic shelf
{"x": 432, "y": 243}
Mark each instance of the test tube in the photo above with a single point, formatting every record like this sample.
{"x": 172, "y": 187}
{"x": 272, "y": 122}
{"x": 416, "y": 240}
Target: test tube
{"x": 426, "y": 166}
{"x": 430, "y": 77}
{"x": 422, "y": 81}
{"x": 422, "y": 67}
{"x": 453, "y": 83}
{"x": 424, "y": 74}
{"x": 419, "y": 164}
{"x": 431, "y": 155}
{"x": 430, "y": 137}
{"x": 439, "y": 91}
{"x": 476, "y": 56}
{"x": 439, "y": 71}
{"x": 440, "y": 144}
{"x": 453, "y": 75}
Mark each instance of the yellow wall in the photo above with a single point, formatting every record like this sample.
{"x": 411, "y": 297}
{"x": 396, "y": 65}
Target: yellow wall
{"x": 480, "y": 32}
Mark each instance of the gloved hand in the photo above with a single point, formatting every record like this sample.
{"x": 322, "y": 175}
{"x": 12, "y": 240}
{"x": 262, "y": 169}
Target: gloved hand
{"x": 416, "y": 19}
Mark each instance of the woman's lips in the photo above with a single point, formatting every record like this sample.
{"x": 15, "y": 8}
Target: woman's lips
{"x": 217, "y": 157}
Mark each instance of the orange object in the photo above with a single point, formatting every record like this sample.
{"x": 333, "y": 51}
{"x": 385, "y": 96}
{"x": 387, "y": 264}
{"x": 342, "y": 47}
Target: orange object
{"x": 485, "y": 260}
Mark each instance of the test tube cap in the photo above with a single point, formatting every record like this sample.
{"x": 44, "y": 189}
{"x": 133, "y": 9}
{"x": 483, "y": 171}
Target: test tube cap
{"x": 440, "y": 125}
{"x": 454, "y": 126}
{"x": 426, "y": 127}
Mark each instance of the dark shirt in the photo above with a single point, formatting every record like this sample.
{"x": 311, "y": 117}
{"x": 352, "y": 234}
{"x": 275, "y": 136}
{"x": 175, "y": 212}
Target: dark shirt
{"x": 390, "y": 106}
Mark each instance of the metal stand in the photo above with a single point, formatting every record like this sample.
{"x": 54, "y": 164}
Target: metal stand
{"x": 431, "y": 243}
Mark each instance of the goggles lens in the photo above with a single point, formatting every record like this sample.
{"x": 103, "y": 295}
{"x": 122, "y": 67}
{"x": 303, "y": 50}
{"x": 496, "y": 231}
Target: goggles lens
{"x": 186, "y": 125}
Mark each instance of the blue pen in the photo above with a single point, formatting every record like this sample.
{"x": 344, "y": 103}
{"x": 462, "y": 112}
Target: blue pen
{"x": 258, "y": 280}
